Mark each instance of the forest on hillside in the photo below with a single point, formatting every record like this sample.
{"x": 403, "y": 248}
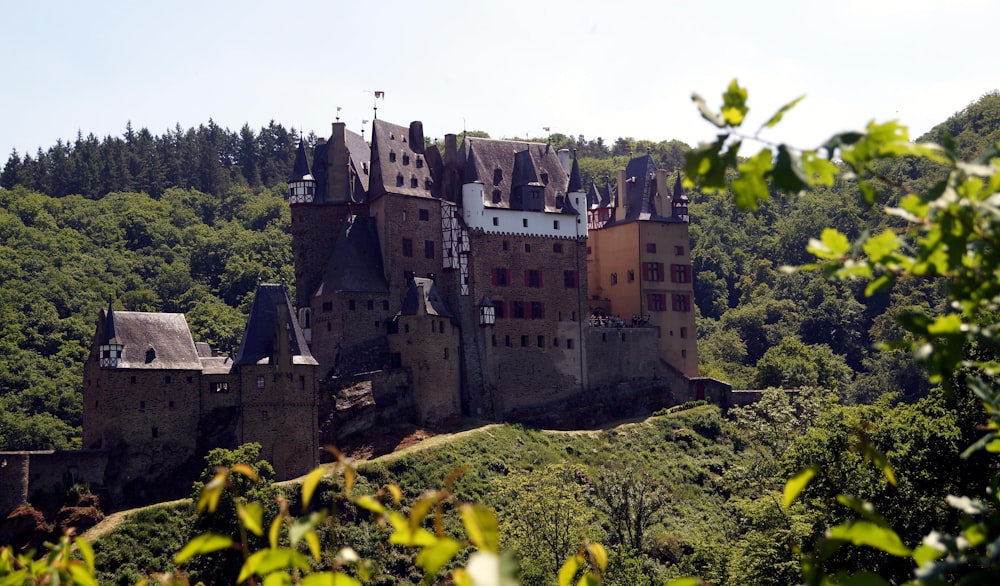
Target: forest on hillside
{"x": 189, "y": 222}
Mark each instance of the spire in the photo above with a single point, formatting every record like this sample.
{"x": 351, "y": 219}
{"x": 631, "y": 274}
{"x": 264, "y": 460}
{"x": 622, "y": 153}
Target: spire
{"x": 300, "y": 172}
{"x": 271, "y": 316}
{"x": 110, "y": 335}
{"x": 471, "y": 174}
{"x": 524, "y": 170}
{"x": 593, "y": 196}
{"x": 575, "y": 183}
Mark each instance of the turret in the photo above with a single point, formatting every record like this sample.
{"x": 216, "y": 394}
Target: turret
{"x": 301, "y": 184}
{"x": 111, "y": 347}
{"x": 679, "y": 202}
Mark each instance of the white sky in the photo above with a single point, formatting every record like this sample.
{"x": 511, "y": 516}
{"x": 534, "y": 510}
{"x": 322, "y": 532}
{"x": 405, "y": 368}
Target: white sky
{"x": 510, "y": 67}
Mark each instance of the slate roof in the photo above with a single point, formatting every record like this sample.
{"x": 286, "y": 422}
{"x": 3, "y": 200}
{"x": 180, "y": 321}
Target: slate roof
{"x": 395, "y": 163}
{"x": 360, "y": 159}
{"x": 153, "y": 341}
{"x": 641, "y": 192}
{"x": 356, "y": 264}
{"x": 361, "y": 155}
{"x": 575, "y": 182}
{"x": 258, "y": 345}
{"x": 494, "y": 165}
{"x": 300, "y": 171}
{"x": 432, "y": 301}
{"x": 216, "y": 365}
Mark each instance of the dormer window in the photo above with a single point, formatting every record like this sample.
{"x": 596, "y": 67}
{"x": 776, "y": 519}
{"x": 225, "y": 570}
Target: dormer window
{"x": 399, "y": 179}
{"x": 392, "y": 156}
{"x": 497, "y": 176}
{"x": 420, "y": 163}
{"x": 111, "y": 355}
{"x": 406, "y": 159}
{"x": 364, "y": 167}
{"x": 496, "y": 196}
{"x": 559, "y": 201}
{"x": 413, "y": 181}
{"x": 427, "y": 182}
{"x": 545, "y": 178}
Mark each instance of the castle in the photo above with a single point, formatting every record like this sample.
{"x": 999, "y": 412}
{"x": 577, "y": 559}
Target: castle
{"x": 482, "y": 279}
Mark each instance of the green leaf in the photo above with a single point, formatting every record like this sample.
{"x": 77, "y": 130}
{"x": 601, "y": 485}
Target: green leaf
{"x": 707, "y": 165}
{"x": 751, "y": 186}
{"x": 776, "y": 118}
{"x": 277, "y": 579}
{"x": 946, "y": 325}
{"x": 330, "y": 579}
{"x": 598, "y": 555}
{"x": 266, "y": 561}
{"x": 685, "y": 581}
{"x": 212, "y": 491}
{"x": 568, "y": 570}
{"x": 734, "y": 104}
{"x": 82, "y": 575}
{"x": 865, "y": 578}
{"x": 201, "y": 545}
{"x": 788, "y": 175}
{"x": 481, "y": 527}
{"x": 368, "y": 503}
{"x": 86, "y": 551}
{"x": 819, "y": 170}
{"x": 863, "y": 508}
{"x": 706, "y": 112}
{"x": 866, "y": 533}
{"x": 251, "y": 515}
{"x": 796, "y": 484}
{"x": 246, "y": 470}
{"x": 309, "y": 485}
{"x": 404, "y": 534}
{"x": 882, "y": 246}
{"x": 434, "y": 557}
{"x": 924, "y": 553}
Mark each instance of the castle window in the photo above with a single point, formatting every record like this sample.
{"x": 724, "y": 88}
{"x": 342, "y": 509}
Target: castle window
{"x": 506, "y": 341}
{"x": 420, "y": 163}
{"x": 260, "y": 382}
{"x": 684, "y": 353}
{"x": 166, "y": 379}
{"x": 404, "y": 215}
{"x": 653, "y": 271}
{"x": 424, "y": 215}
{"x": 498, "y": 309}
{"x": 678, "y": 251}
{"x": 433, "y": 326}
{"x": 446, "y": 354}
{"x": 376, "y": 324}
{"x": 545, "y": 178}
{"x": 428, "y": 183}
{"x": 407, "y": 247}
{"x": 559, "y": 202}
{"x": 555, "y": 224}
{"x": 441, "y": 326}
{"x": 532, "y": 278}
{"x": 506, "y": 245}
{"x": 684, "y": 332}
{"x": 170, "y": 405}
{"x": 327, "y": 306}
{"x": 496, "y": 221}
{"x": 614, "y": 278}
{"x": 406, "y": 328}
{"x": 142, "y": 405}
{"x": 328, "y": 326}
{"x": 571, "y": 279}
{"x": 537, "y": 310}
{"x": 527, "y": 247}
{"x": 413, "y": 182}
{"x": 682, "y": 303}
{"x": 497, "y": 176}
{"x": 392, "y": 156}
{"x": 555, "y": 342}
{"x": 385, "y": 305}
{"x": 680, "y": 273}
{"x": 156, "y": 432}
{"x": 131, "y": 379}
{"x": 302, "y": 382}
{"x": 406, "y": 159}
{"x": 220, "y": 387}
{"x": 364, "y": 167}
{"x": 557, "y": 248}
{"x": 501, "y": 277}
{"x": 651, "y": 247}
{"x": 399, "y": 179}
{"x": 350, "y": 304}
{"x": 371, "y": 304}
{"x": 524, "y": 341}
{"x": 540, "y": 342}
{"x": 190, "y": 379}
{"x": 496, "y": 196}
{"x": 656, "y": 302}
{"x": 630, "y": 276}
{"x": 589, "y": 250}
{"x": 524, "y": 222}
{"x": 569, "y": 343}
{"x": 493, "y": 339}
{"x": 428, "y": 249}
{"x": 517, "y": 309}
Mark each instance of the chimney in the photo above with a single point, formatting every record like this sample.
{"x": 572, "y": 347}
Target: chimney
{"x": 417, "y": 136}
{"x": 450, "y": 149}
{"x": 337, "y": 157}
{"x": 564, "y": 159}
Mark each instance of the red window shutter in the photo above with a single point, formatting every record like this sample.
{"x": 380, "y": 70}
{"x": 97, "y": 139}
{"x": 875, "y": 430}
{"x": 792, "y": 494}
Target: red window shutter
{"x": 541, "y": 310}
{"x": 662, "y": 273}
{"x": 539, "y": 278}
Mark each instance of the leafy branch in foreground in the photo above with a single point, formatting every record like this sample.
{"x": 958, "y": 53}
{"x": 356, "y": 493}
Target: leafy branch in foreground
{"x": 949, "y": 231}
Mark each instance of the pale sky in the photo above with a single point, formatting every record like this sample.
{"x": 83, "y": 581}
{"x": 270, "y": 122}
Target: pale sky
{"x": 609, "y": 68}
